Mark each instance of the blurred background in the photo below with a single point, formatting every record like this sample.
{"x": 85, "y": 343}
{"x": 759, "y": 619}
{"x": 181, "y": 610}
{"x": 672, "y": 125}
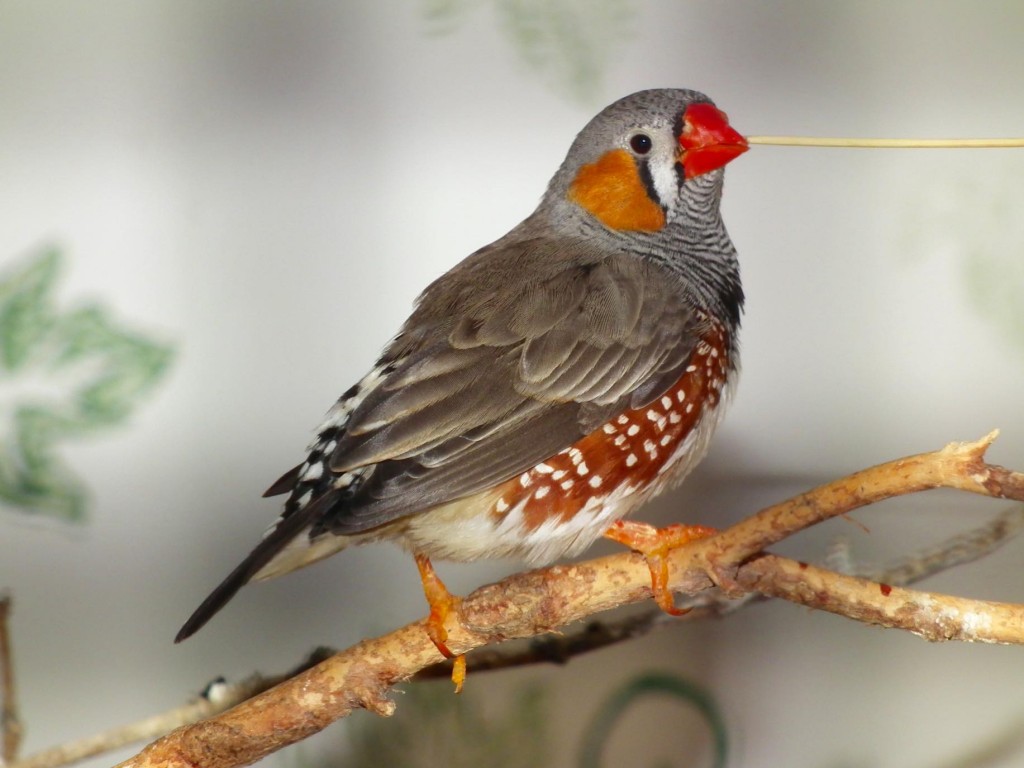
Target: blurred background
{"x": 214, "y": 214}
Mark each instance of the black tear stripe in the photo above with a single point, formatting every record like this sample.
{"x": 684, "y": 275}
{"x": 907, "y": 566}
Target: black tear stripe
{"x": 680, "y": 175}
{"x": 677, "y": 131}
{"x": 648, "y": 182}
{"x": 679, "y": 125}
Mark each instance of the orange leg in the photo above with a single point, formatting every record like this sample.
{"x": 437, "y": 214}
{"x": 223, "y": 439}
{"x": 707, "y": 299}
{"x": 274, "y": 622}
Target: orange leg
{"x": 442, "y": 604}
{"x": 655, "y": 544}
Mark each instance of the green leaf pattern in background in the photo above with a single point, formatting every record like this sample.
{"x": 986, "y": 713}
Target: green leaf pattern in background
{"x": 570, "y": 43}
{"x": 63, "y": 375}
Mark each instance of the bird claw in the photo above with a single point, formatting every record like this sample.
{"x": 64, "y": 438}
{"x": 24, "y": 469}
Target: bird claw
{"x": 655, "y": 544}
{"x": 442, "y": 605}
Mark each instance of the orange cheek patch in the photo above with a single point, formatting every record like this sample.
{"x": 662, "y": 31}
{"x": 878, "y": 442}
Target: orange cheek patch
{"x": 611, "y": 189}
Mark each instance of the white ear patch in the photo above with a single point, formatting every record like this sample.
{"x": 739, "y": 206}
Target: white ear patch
{"x": 661, "y": 164}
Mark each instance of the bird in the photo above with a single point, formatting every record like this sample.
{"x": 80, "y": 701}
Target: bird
{"x": 547, "y": 385}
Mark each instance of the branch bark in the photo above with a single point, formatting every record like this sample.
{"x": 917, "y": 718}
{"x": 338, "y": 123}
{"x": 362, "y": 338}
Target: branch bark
{"x": 10, "y": 725}
{"x": 218, "y": 697}
{"x": 537, "y": 602}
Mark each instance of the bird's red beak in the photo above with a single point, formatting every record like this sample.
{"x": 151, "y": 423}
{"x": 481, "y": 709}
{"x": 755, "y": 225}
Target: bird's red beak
{"x": 707, "y": 140}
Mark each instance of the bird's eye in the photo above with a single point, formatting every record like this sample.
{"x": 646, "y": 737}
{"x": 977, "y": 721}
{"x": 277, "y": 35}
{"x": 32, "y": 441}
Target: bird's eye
{"x": 641, "y": 143}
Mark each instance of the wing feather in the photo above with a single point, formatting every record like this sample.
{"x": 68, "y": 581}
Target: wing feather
{"x": 492, "y": 376}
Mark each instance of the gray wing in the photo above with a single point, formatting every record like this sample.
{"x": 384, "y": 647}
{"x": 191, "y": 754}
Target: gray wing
{"x": 491, "y": 377}
{"x": 515, "y": 354}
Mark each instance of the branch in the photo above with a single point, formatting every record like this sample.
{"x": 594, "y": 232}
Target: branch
{"x": 960, "y": 466}
{"x": 540, "y": 601}
{"x": 547, "y": 649}
{"x": 10, "y": 725}
{"x": 595, "y": 635}
{"x": 218, "y": 697}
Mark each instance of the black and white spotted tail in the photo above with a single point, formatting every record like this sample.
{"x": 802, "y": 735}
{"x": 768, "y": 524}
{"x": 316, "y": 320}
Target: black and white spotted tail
{"x": 294, "y": 540}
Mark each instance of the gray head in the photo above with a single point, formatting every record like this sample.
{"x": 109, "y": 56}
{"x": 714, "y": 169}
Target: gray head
{"x": 644, "y": 177}
{"x": 639, "y": 164}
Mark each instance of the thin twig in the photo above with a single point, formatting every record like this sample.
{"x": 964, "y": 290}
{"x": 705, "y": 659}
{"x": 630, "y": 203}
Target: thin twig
{"x": 218, "y": 697}
{"x": 853, "y": 143}
{"x": 958, "y": 550}
{"x": 932, "y": 616}
{"x": 9, "y": 721}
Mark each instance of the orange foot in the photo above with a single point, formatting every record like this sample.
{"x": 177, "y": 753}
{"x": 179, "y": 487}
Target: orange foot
{"x": 442, "y": 604}
{"x": 655, "y": 544}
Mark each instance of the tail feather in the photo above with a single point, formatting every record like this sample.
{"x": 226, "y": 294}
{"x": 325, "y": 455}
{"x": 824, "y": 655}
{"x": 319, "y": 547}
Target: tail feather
{"x": 285, "y": 483}
{"x": 276, "y": 540}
